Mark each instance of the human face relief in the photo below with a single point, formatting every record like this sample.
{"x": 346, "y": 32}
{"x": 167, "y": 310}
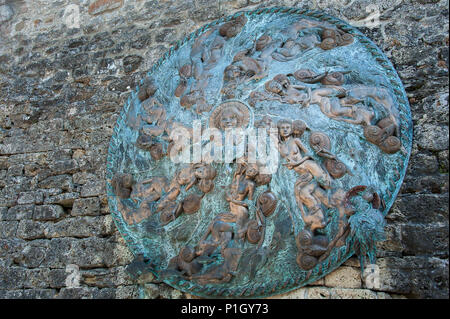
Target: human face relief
{"x": 228, "y": 119}
{"x": 285, "y": 129}
{"x": 252, "y": 170}
{"x": 200, "y": 172}
{"x": 127, "y": 181}
{"x": 284, "y": 82}
{"x": 276, "y": 87}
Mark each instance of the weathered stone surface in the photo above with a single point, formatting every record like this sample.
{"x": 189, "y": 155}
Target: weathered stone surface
{"x": 424, "y": 163}
{"x": 93, "y": 252}
{"x": 65, "y": 199}
{"x": 63, "y": 182}
{"x": 416, "y": 277}
{"x": 431, "y": 239}
{"x": 341, "y": 293}
{"x": 94, "y": 188}
{"x": 48, "y": 212}
{"x": 296, "y": 294}
{"x": 8, "y": 229}
{"x": 34, "y": 197}
{"x": 161, "y": 291}
{"x": 345, "y": 277}
{"x": 86, "y": 207}
{"x": 18, "y": 212}
{"x": 57, "y": 278}
{"x": 318, "y": 293}
{"x": 131, "y": 63}
{"x": 30, "y": 256}
{"x": 106, "y": 277}
{"x": 420, "y": 208}
{"x": 30, "y": 294}
{"x": 85, "y": 293}
{"x": 12, "y": 277}
{"x": 433, "y": 137}
{"x": 28, "y": 229}
{"x": 127, "y": 292}
{"x": 6, "y": 13}
{"x": 80, "y": 227}
{"x": 3, "y": 212}
{"x": 37, "y": 278}
{"x": 102, "y": 6}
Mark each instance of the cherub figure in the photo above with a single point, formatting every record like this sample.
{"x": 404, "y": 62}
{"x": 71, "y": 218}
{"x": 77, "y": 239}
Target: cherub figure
{"x": 293, "y": 47}
{"x": 313, "y": 181}
{"x": 242, "y": 187}
{"x": 135, "y": 199}
{"x": 243, "y": 69}
{"x": 220, "y": 234}
{"x": 334, "y": 103}
{"x": 290, "y": 146}
{"x": 223, "y": 272}
{"x": 201, "y": 174}
{"x": 184, "y": 264}
{"x": 281, "y": 89}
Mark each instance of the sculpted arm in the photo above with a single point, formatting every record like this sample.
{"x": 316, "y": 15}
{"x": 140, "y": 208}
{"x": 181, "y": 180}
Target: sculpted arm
{"x": 191, "y": 183}
{"x": 328, "y": 92}
{"x": 251, "y": 190}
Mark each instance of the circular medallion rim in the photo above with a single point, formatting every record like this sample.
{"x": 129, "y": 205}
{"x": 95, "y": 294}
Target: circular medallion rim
{"x": 277, "y": 288}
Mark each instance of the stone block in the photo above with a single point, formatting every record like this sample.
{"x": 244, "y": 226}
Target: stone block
{"x": 426, "y": 239}
{"x": 343, "y": 293}
{"x": 64, "y": 199}
{"x": 103, "y": 6}
{"x": 29, "y": 229}
{"x": 48, "y": 212}
{"x": 57, "y": 278}
{"x": 420, "y": 208}
{"x": 93, "y": 188}
{"x": 344, "y": 277}
{"x": 12, "y": 277}
{"x": 86, "y": 207}
{"x": 104, "y": 278}
{"x": 31, "y": 255}
{"x": 318, "y": 293}
{"x": 63, "y": 182}
{"x": 34, "y": 197}
{"x": 127, "y": 292}
{"x": 8, "y": 229}
{"x": 80, "y": 227}
{"x": 64, "y": 167}
{"x": 432, "y": 137}
{"x": 295, "y": 294}
{"x": 18, "y": 212}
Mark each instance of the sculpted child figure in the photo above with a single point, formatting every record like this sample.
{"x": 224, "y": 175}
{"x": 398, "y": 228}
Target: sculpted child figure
{"x": 290, "y": 146}
{"x": 313, "y": 180}
{"x": 243, "y": 186}
{"x": 134, "y": 199}
{"x": 200, "y": 173}
{"x": 282, "y": 90}
{"x": 334, "y": 104}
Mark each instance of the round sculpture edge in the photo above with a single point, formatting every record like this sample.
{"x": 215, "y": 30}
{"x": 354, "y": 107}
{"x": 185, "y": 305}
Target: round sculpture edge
{"x": 332, "y": 263}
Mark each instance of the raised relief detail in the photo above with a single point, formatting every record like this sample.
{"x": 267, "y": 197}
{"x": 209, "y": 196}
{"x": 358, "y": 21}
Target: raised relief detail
{"x": 188, "y": 175}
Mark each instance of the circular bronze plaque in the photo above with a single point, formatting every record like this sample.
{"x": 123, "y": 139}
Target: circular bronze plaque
{"x": 259, "y": 154}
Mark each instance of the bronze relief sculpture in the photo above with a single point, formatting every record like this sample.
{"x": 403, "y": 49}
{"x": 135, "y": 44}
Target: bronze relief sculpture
{"x": 259, "y": 154}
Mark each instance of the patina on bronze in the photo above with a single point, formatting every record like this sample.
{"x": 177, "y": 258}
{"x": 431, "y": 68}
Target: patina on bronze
{"x": 343, "y": 133}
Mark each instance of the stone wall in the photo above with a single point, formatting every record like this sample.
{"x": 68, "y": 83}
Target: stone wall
{"x": 66, "y": 69}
